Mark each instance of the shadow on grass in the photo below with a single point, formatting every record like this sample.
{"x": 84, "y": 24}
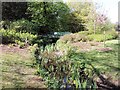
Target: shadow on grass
{"x": 113, "y": 67}
{"x": 106, "y": 84}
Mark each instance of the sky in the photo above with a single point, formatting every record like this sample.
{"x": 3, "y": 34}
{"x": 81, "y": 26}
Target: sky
{"x": 109, "y": 8}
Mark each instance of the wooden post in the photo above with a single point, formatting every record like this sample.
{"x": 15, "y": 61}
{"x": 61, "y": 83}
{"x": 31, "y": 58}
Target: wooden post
{"x": 104, "y": 38}
{"x": 94, "y": 26}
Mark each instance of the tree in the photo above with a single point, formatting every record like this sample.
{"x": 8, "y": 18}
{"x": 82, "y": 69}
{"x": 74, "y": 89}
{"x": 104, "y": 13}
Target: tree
{"x": 49, "y": 16}
{"x": 81, "y": 12}
{"x": 14, "y": 10}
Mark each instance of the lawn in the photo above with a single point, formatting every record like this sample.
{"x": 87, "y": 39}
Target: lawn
{"x": 107, "y": 61}
{"x": 103, "y": 58}
{"x": 17, "y": 70}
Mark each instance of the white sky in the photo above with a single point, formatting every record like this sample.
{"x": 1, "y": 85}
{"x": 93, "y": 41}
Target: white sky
{"x": 109, "y": 7}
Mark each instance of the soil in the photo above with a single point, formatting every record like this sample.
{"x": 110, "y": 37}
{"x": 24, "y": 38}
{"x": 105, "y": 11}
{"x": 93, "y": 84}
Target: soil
{"x": 88, "y": 46}
{"x": 14, "y": 49}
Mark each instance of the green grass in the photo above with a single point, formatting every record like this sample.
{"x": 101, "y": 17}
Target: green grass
{"x": 106, "y": 62}
{"x": 17, "y": 71}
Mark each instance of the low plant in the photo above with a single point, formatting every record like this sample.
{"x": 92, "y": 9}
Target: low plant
{"x": 86, "y": 32}
{"x": 101, "y": 37}
{"x": 22, "y": 26}
{"x": 11, "y": 36}
{"x": 5, "y": 24}
{"x": 67, "y": 38}
{"x": 85, "y": 36}
{"x": 72, "y": 38}
{"x": 8, "y": 36}
{"x": 72, "y": 70}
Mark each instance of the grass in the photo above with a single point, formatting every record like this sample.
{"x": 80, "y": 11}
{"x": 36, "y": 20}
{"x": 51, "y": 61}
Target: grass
{"x": 17, "y": 71}
{"x": 106, "y": 62}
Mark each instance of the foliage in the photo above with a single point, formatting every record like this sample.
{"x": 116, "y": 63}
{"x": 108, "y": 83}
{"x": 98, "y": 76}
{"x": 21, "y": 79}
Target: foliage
{"x": 66, "y": 38}
{"x": 107, "y": 26}
{"x": 107, "y": 62}
{"x": 43, "y": 13}
{"x": 33, "y": 48}
{"x": 85, "y": 32}
{"x": 5, "y": 24}
{"x": 101, "y": 37}
{"x": 14, "y": 10}
{"x": 64, "y": 48}
{"x": 45, "y": 17}
{"x": 85, "y": 36}
{"x": 68, "y": 71}
{"x": 11, "y": 36}
{"x": 113, "y": 33}
{"x": 59, "y": 65}
{"x": 22, "y": 26}
{"x": 72, "y": 38}
{"x": 70, "y": 65}
{"x": 83, "y": 12}
{"x": 75, "y": 24}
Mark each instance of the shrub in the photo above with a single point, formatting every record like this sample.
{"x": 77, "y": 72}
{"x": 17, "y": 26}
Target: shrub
{"x": 68, "y": 71}
{"x": 86, "y": 32}
{"x": 5, "y": 24}
{"x": 11, "y": 36}
{"x": 26, "y": 37}
{"x": 67, "y": 38}
{"x": 113, "y": 33}
{"x": 22, "y": 25}
{"x": 72, "y": 38}
{"x": 64, "y": 48}
{"x": 96, "y": 37}
{"x": 21, "y": 44}
{"x": 84, "y": 36}
{"x": 101, "y": 37}
{"x": 80, "y": 37}
{"x": 8, "y": 36}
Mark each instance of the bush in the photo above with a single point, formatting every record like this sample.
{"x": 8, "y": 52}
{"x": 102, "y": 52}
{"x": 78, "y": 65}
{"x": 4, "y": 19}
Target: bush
{"x": 21, "y": 44}
{"x": 68, "y": 71}
{"x": 8, "y": 36}
{"x": 64, "y": 48}
{"x": 96, "y": 37}
{"x": 84, "y": 36}
{"x": 26, "y": 37}
{"x": 102, "y": 37}
{"x": 72, "y": 38}
{"x": 11, "y": 36}
{"x": 80, "y": 37}
{"x": 113, "y": 33}
{"x": 67, "y": 38}
{"x": 23, "y": 26}
{"x": 86, "y": 32}
{"x": 5, "y": 24}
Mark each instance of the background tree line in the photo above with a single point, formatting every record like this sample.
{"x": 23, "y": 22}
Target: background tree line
{"x": 42, "y": 17}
